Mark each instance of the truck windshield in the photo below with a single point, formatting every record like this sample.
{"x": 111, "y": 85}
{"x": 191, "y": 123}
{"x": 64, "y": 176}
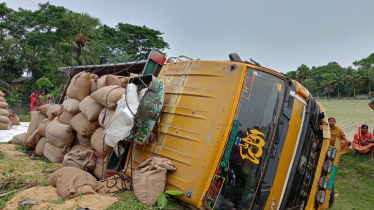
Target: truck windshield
{"x": 251, "y": 135}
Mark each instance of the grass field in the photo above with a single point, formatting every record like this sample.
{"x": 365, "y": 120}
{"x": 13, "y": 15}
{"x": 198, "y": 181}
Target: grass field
{"x": 354, "y": 182}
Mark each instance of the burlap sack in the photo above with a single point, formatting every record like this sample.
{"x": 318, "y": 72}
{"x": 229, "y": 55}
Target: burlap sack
{"x": 93, "y": 86}
{"x": 124, "y": 81}
{"x": 54, "y": 154}
{"x": 1, "y": 94}
{"x": 3, "y": 105}
{"x": 132, "y": 75}
{"x": 150, "y": 178}
{"x": 79, "y": 159}
{"x": 59, "y": 135}
{"x": 100, "y": 164}
{"x": 71, "y": 105}
{"x": 5, "y": 126}
{"x": 80, "y": 147}
{"x": 90, "y": 108}
{"x": 19, "y": 139}
{"x": 53, "y": 111}
{"x": 71, "y": 182}
{"x": 85, "y": 142}
{"x": 105, "y": 117}
{"x": 79, "y": 86}
{"x": 65, "y": 117}
{"x": 108, "y": 96}
{"x": 44, "y": 109}
{"x": 4, "y": 112}
{"x": 108, "y": 80}
{"x": 5, "y": 120}
{"x": 83, "y": 126}
{"x": 98, "y": 144}
{"x": 2, "y": 99}
{"x": 36, "y": 118}
{"x": 32, "y": 140}
{"x": 39, "y": 149}
{"x": 43, "y": 127}
{"x": 14, "y": 119}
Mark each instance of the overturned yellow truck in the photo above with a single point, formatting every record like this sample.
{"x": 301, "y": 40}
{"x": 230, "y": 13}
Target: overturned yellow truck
{"x": 242, "y": 137}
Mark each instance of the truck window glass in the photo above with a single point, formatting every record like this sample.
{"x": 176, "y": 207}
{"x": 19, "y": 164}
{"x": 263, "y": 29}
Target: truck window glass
{"x": 257, "y": 115}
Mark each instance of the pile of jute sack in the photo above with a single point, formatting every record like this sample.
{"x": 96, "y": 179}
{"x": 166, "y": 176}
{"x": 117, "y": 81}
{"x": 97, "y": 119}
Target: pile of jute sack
{"x": 72, "y": 133}
{"x": 7, "y": 119}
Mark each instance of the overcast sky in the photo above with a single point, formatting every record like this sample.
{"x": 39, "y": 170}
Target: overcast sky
{"x": 279, "y": 34}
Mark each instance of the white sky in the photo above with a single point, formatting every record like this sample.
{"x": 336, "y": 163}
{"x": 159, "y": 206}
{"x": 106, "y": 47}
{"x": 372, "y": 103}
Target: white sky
{"x": 279, "y": 34}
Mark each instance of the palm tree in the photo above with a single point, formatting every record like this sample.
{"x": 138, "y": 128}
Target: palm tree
{"x": 338, "y": 82}
{"x": 367, "y": 79}
{"x": 303, "y": 72}
{"x": 328, "y": 83}
{"x": 354, "y": 81}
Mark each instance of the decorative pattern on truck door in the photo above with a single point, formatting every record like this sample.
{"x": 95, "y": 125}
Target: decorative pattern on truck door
{"x": 252, "y": 142}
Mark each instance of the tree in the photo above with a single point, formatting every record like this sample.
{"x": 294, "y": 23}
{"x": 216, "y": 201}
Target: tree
{"x": 367, "y": 79}
{"x": 354, "y": 81}
{"x": 303, "y": 72}
{"x": 365, "y": 63}
{"x": 291, "y": 74}
{"x": 311, "y": 85}
{"x": 328, "y": 83}
{"x": 134, "y": 40}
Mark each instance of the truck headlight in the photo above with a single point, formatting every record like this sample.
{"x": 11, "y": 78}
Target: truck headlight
{"x": 327, "y": 166}
{"x": 331, "y": 152}
{"x": 323, "y": 182}
{"x": 320, "y": 197}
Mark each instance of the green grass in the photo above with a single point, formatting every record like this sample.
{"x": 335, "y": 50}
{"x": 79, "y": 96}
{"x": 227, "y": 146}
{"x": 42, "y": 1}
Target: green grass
{"x": 24, "y": 118}
{"x": 127, "y": 200}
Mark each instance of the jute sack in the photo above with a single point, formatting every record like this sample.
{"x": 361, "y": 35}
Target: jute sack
{"x": 44, "y": 109}
{"x": 107, "y": 80}
{"x": 124, "y": 81}
{"x": 94, "y": 76}
{"x": 19, "y": 139}
{"x": 1, "y": 94}
{"x": 79, "y": 86}
{"x": 132, "y": 75}
{"x": 83, "y": 126}
{"x": 65, "y": 117}
{"x": 43, "y": 127}
{"x": 71, "y": 182}
{"x": 4, "y": 112}
{"x": 80, "y": 147}
{"x": 93, "y": 86}
{"x": 79, "y": 159}
{"x": 59, "y": 135}
{"x": 97, "y": 142}
{"x": 32, "y": 140}
{"x": 105, "y": 117}
{"x": 150, "y": 178}
{"x": 3, "y": 105}
{"x": 14, "y": 119}
{"x": 5, "y": 120}
{"x": 54, "y": 154}
{"x": 53, "y": 111}
{"x": 39, "y": 149}
{"x": 108, "y": 96}
{"x": 36, "y": 118}
{"x": 5, "y": 126}
{"x": 100, "y": 164}
{"x": 85, "y": 142}
{"x": 90, "y": 108}
{"x": 2, "y": 99}
{"x": 71, "y": 105}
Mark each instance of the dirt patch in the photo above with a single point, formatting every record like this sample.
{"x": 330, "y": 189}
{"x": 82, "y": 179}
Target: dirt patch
{"x": 10, "y": 149}
{"x": 46, "y": 197}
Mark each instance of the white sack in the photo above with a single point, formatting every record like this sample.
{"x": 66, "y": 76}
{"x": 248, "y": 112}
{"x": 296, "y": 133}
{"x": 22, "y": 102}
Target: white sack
{"x": 123, "y": 120}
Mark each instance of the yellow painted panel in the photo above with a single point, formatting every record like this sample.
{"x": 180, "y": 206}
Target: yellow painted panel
{"x": 199, "y": 98}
